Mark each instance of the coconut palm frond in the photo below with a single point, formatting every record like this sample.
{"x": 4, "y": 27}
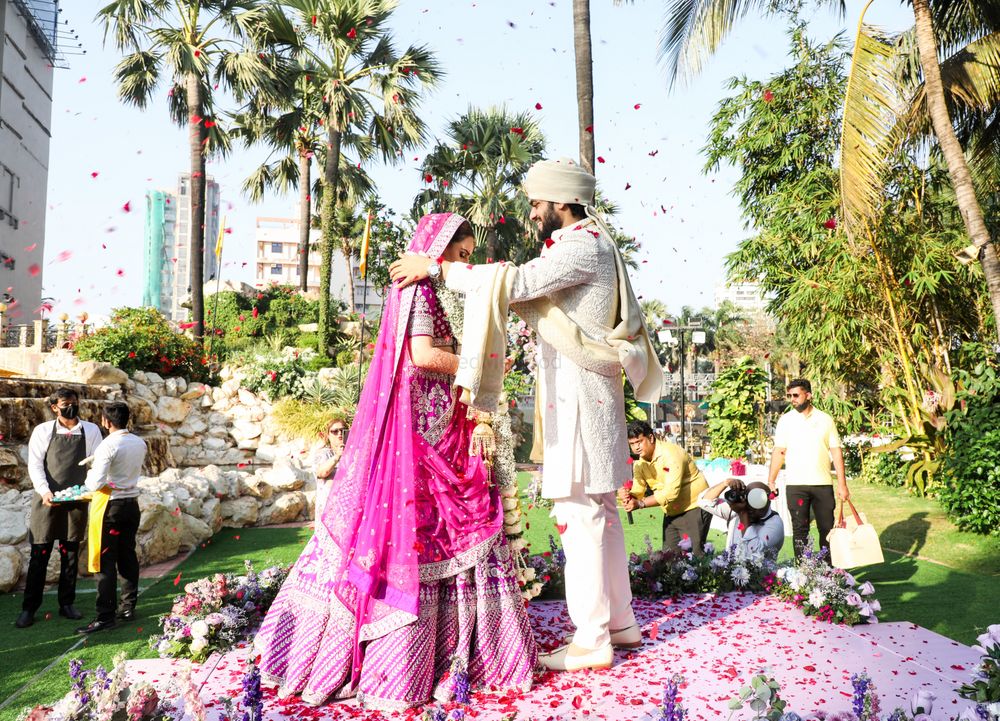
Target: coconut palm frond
{"x": 872, "y": 108}
{"x": 971, "y": 80}
{"x": 694, "y": 29}
{"x": 972, "y": 75}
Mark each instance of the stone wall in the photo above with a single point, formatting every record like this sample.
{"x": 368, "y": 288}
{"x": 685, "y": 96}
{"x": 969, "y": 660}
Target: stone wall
{"x": 230, "y": 467}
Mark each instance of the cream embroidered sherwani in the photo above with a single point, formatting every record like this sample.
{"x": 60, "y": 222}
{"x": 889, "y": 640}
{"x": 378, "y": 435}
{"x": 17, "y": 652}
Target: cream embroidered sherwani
{"x": 586, "y": 450}
{"x": 578, "y": 274}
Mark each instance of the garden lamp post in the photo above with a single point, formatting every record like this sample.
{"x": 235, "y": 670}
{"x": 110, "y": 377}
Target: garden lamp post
{"x": 666, "y": 336}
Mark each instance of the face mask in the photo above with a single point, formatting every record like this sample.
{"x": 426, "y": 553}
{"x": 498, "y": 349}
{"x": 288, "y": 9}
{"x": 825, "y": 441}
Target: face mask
{"x": 70, "y": 412}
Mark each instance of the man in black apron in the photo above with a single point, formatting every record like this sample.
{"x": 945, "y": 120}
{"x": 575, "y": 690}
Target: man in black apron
{"x": 55, "y": 451}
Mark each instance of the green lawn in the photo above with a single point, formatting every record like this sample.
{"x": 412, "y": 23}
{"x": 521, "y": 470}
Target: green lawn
{"x": 27, "y": 653}
{"x": 950, "y": 587}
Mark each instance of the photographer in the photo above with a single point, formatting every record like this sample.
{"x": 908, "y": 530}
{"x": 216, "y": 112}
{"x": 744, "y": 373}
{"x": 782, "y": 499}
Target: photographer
{"x": 747, "y": 510}
{"x": 669, "y": 475}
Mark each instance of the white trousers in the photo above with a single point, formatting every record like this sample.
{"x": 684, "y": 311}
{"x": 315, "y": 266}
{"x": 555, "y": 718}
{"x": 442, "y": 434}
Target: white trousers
{"x": 598, "y": 594}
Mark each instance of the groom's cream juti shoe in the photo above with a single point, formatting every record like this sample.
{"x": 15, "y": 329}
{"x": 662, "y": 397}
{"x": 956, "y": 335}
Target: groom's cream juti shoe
{"x": 630, "y": 637}
{"x": 577, "y": 658}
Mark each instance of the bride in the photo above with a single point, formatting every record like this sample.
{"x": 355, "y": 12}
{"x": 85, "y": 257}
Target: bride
{"x": 407, "y": 591}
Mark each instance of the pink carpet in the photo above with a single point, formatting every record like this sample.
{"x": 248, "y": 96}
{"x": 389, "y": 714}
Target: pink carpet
{"x": 714, "y": 642}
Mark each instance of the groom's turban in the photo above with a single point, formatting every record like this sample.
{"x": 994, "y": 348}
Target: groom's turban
{"x": 560, "y": 181}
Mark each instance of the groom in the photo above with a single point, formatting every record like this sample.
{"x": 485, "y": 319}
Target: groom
{"x": 577, "y": 296}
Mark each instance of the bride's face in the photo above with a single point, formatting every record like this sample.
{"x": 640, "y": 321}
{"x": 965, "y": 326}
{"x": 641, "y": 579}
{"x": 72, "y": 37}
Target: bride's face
{"x": 459, "y": 251}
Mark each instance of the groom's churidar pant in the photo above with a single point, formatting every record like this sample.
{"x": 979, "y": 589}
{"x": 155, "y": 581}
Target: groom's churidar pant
{"x": 598, "y": 594}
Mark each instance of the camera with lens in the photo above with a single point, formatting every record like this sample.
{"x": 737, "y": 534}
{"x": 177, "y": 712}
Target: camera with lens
{"x": 735, "y": 495}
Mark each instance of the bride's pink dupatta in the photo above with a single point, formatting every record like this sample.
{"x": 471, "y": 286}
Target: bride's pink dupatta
{"x": 371, "y": 511}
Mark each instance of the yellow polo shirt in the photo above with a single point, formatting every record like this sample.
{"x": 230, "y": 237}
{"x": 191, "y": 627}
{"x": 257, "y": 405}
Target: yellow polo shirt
{"x": 807, "y": 441}
{"x": 672, "y": 476}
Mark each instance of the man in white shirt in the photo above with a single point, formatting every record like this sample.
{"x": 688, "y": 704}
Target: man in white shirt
{"x": 116, "y": 468}
{"x": 805, "y": 441}
{"x": 54, "y": 454}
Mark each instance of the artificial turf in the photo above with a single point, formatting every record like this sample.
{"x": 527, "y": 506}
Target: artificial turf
{"x": 950, "y": 585}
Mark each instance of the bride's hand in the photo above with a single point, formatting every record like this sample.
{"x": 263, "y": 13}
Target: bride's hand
{"x": 410, "y": 268}
{"x": 508, "y": 364}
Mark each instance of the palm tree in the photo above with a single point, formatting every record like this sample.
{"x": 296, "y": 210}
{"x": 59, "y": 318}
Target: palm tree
{"x": 478, "y": 172}
{"x": 200, "y": 46}
{"x": 695, "y": 29}
{"x": 722, "y": 330}
{"x": 368, "y": 88}
{"x": 294, "y": 133}
{"x": 584, "y": 81}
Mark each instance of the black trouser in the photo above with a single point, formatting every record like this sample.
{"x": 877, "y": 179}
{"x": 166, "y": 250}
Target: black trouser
{"x": 38, "y": 564}
{"x": 803, "y": 499}
{"x": 121, "y": 523}
{"x": 693, "y": 524}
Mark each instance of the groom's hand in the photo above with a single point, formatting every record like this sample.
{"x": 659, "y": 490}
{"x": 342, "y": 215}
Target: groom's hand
{"x": 410, "y": 268}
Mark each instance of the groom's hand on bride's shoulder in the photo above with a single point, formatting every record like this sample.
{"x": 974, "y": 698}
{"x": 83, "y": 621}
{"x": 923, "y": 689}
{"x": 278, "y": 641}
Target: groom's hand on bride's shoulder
{"x": 409, "y": 269}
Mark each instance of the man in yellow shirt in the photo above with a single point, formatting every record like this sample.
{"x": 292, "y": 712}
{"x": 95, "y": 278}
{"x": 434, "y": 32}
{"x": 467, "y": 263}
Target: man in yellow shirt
{"x": 670, "y": 473}
{"x": 805, "y": 442}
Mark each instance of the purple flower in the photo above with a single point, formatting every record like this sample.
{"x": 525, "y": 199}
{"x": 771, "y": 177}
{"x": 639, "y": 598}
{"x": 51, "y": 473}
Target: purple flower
{"x": 253, "y": 698}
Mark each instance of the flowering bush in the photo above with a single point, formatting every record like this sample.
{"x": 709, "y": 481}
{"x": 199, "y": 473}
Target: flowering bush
{"x": 660, "y": 573}
{"x": 100, "y": 695}
{"x": 550, "y": 568}
{"x": 141, "y": 339}
{"x": 829, "y": 594}
{"x": 985, "y": 688}
{"x": 274, "y": 377}
{"x": 216, "y": 613}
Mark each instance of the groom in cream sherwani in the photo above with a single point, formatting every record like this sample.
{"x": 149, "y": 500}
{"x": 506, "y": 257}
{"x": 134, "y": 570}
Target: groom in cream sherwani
{"x": 577, "y": 296}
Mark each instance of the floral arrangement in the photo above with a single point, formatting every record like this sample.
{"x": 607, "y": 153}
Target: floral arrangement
{"x": 660, "y": 573}
{"x": 101, "y": 695}
{"x": 829, "y": 594}
{"x": 762, "y": 696}
{"x": 826, "y": 593}
{"x": 550, "y": 570}
{"x": 216, "y": 613}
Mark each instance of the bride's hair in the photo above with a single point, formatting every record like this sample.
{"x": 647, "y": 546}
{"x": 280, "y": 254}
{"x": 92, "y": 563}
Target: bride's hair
{"x": 464, "y": 231}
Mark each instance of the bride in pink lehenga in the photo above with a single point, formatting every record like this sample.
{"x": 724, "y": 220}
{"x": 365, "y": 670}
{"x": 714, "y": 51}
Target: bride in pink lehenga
{"x": 409, "y": 575}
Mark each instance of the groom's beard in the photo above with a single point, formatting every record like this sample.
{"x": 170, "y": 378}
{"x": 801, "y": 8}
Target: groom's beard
{"x": 550, "y": 224}
{"x": 802, "y": 407}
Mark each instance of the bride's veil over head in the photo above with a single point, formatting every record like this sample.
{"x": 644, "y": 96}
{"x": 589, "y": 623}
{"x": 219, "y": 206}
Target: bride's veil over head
{"x": 370, "y": 512}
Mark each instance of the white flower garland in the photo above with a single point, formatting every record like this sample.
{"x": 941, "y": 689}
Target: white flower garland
{"x": 504, "y": 468}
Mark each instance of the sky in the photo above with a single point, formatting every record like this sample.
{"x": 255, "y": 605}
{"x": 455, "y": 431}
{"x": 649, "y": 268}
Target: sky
{"x": 104, "y": 155}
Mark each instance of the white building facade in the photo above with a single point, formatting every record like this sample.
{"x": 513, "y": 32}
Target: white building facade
{"x": 27, "y": 57}
{"x": 277, "y": 263}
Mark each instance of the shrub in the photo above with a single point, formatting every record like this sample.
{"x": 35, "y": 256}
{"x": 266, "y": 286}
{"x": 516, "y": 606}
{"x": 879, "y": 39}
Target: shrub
{"x": 971, "y": 465}
{"x": 734, "y": 409}
{"x": 236, "y": 316}
{"x": 346, "y": 358}
{"x": 304, "y": 419}
{"x": 275, "y": 377}
{"x": 884, "y": 469}
{"x": 141, "y": 339}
